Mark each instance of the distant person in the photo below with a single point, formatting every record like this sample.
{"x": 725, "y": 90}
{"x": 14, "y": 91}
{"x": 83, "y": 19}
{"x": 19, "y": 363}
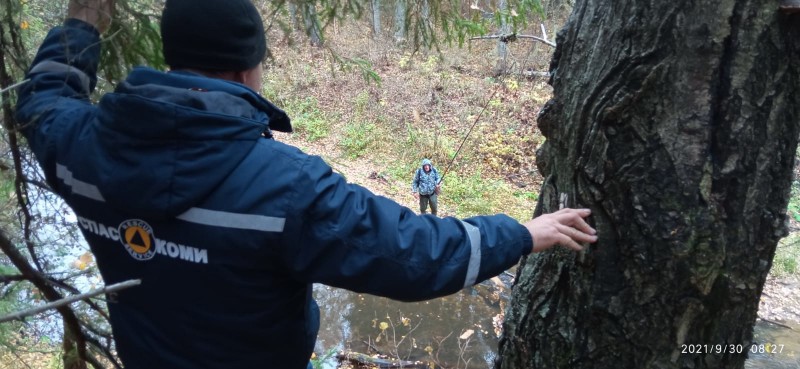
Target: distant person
{"x": 426, "y": 186}
{"x": 176, "y": 180}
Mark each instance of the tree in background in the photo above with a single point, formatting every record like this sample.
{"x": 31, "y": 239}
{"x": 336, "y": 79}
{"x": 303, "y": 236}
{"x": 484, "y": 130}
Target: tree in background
{"x": 291, "y": 9}
{"x": 312, "y": 23}
{"x": 376, "y": 18}
{"x": 676, "y": 122}
{"x": 400, "y": 19}
{"x": 502, "y": 48}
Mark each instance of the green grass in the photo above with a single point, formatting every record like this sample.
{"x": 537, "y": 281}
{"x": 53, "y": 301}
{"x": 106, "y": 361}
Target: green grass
{"x": 787, "y": 256}
{"x": 527, "y": 195}
{"x": 357, "y": 138}
{"x": 794, "y": 202}
{"x": 472, "y": 194}
{"x": 307, "y": 119}
{"x": 318, "y": 361}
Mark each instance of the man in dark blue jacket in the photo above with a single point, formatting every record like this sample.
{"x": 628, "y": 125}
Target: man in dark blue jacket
{"x": 176, "y": 181}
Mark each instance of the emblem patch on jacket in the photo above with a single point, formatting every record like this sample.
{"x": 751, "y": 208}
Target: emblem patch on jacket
{"x": 138, "y": 239}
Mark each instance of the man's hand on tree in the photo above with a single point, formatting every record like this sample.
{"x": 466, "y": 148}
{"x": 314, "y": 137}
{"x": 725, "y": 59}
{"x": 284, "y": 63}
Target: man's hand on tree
{"x": 565, "y": 227}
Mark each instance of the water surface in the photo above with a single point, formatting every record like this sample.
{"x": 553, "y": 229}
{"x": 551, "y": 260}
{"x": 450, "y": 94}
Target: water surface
{"x": 457, "y": 331}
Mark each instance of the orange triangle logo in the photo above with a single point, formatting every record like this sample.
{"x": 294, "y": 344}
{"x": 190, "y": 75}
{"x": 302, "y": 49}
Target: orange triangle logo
{"x": 137, "y": 240}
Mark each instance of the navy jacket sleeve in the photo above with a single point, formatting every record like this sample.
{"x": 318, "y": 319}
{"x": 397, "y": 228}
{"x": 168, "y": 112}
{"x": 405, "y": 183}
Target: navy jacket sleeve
{"x": 348, "y": 237}
{"x": 56, "y": 97}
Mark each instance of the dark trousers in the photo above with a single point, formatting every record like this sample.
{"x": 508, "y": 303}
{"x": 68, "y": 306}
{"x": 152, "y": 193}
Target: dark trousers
{"x": 424, "y": 200}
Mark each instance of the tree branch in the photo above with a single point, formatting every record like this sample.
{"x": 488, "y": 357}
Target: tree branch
{"x": 103, "y": 350}
{"x": 513, "y": 37}
{"x": 12, "y": 278}
{"x": 68, "y": 300}
{"x": 63, "y": 284}
{"x": 70, "y": 319}
{"x": 2, "y": 91}
{"x": 8, "y": 119}
{"x": 534, "y": 73}
{"x": 546, "y": 41}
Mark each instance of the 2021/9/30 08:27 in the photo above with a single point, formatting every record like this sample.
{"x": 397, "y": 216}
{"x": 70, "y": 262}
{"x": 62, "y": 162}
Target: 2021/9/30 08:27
{"x": 764, "y": 348}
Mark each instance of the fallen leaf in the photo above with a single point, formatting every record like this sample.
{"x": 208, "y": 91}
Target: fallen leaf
{"x": 87, "y": 257}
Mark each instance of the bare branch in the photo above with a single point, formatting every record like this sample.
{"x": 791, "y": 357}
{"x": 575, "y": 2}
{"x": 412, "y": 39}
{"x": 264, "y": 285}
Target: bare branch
{"x": 68, "y": 300}
{"x": 92, "y": 304}
{"x": 71, "y": 322}
{"x": 490, "y": 37}
{"x": 544, "y": 31}
{"x": 534, "y": 73}
{"x": 100, "y": 349}
{"x": 551, "y": 43}
{"x": 12, "y": 278}
{"x": 20, "y": 83}
{"x": 513, "y": 37}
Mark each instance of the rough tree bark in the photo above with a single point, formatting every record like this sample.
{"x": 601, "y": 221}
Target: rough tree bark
{"x": 292, "y": 9}
{"x": 501, "y": 66}
{"x": 400, "y": 25}
{"x": 311, "y": 23}
{"x": 376, "y": 18}
{"x": 426, "y": 12}
{"x": 676, "y": 122}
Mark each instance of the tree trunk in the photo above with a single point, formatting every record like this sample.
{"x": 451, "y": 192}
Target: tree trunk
{"x": 292, "y": 9}
{"x": 70, "y": 357}
{"x": 426, "y": 13}
{"x": 501, "y": 66}
{"x": 376, "y": 18}
{"x": 311, "y": 22}
{"x": 676, "y": 122}
{"x": 400, "y": 24}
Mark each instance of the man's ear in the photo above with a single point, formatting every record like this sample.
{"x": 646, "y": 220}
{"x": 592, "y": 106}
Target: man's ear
{"x": 250, "y": 77}
{"x": 240, "y": 77}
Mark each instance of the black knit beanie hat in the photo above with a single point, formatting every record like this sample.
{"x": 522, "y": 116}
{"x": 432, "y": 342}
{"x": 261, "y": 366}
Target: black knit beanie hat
{"x": 222, "y": 35}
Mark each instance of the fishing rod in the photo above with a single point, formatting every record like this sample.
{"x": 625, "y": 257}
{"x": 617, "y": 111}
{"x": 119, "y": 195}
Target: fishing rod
{"x": 477, "y": 119}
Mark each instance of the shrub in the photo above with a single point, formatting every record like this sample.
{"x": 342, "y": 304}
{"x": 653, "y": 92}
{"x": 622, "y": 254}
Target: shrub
{"x": 357, "y": 138}
{"x": 308, "y": 120}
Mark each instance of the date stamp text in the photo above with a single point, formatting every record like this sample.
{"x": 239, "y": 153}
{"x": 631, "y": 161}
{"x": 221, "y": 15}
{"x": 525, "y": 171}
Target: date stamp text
{"x": 761, "y": 348}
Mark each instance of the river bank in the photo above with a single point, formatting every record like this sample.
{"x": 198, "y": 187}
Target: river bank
{"x": 780, "y": 300}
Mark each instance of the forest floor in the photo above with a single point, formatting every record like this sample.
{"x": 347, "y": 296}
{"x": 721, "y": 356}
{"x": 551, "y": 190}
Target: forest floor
{"x": 780, "y": 300}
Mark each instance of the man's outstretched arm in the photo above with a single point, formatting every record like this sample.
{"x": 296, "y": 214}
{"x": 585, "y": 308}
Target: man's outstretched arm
{"x": 347, "y": 237}
{"x": 61, "y": 77}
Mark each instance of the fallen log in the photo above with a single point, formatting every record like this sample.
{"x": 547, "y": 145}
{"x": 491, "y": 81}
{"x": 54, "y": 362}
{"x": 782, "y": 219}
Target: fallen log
{"x": 383, "y": 363}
